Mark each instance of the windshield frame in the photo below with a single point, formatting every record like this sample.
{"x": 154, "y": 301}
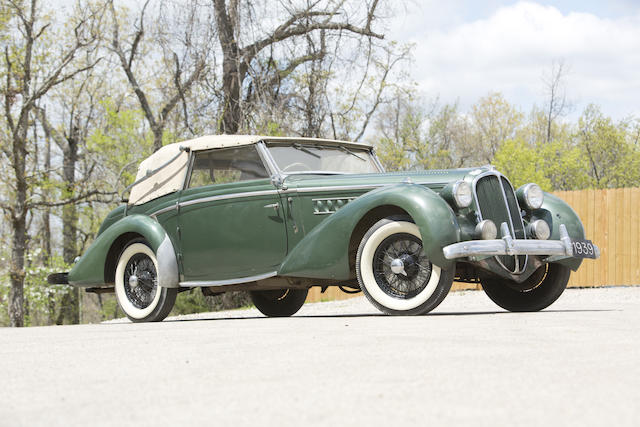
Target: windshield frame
{"x": 353, "y": 149}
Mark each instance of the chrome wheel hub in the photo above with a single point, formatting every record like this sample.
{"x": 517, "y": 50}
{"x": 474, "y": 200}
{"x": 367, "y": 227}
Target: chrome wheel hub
{"x": 133, "y": 281}
{"x": 397, "y": 266}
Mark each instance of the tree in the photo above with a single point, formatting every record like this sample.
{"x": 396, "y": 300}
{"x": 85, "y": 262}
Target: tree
{"x": 183, "y": 56}
{"x": 494, "y": 121}
{"x": 555, "y": 91}
{"x": 31, "y": 68}
{"x": 235, "y": 20}
{"x": 613, "y": 156}
{"x": 555, "y": 166}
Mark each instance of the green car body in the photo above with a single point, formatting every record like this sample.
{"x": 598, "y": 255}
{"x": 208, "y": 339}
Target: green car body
{"x": 302, "y": 227}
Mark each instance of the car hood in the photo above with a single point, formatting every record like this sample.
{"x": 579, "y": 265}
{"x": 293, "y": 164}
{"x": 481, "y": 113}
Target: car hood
{"x": 434, "y": 179}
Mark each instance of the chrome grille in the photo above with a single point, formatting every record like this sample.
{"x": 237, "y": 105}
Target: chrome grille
{"x": 496, "y": 201}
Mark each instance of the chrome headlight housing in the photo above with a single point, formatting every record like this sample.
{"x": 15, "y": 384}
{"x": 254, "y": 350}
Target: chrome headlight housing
{"x": 486, "y": 230}
{"x": 539, "y": 229}
{"x": 462, "y": 194}
{"x": 531, "y": 195}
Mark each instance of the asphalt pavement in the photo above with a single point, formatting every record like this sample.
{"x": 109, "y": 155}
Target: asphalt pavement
{"x": 336, "y": 363}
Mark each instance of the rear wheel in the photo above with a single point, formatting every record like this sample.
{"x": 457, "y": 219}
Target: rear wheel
{"x": 539, "y": 291}
{"x": 395, "y": 275}
{"x": 280, "y": 302}
{"x": 136, "y": 285}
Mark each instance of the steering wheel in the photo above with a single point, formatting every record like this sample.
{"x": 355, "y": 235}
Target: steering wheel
{"x": 295, "y": 165}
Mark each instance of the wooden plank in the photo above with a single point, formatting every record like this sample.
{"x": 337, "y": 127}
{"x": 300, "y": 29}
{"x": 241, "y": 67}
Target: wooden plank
{"x": 626, "y": 234}
{"x": 611, "y": 237}
{"x": 589, "y": 224}
{"x": 635, "y": 236}
{"x": 619, "y": 230}
{"x": 600, "y": 235}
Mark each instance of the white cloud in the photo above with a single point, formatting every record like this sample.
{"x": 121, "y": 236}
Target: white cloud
{"x": 509, "y": 51}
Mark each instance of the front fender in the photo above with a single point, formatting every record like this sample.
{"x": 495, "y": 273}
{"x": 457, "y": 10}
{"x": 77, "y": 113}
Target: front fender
{"x": 324, "y": 252}
{"x": 90, "y": 269}
{"x": 556, "y": 211}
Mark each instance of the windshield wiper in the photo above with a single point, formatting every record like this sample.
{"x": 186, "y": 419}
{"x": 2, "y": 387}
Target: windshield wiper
{"x": 305, "y": 150}
{"x": 346, "y": 150}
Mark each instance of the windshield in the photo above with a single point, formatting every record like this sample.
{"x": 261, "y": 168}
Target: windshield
{"x": 314, "y": 158}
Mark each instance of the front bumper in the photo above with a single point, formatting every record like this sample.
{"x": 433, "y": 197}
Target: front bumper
{"x": 509, "y": 246}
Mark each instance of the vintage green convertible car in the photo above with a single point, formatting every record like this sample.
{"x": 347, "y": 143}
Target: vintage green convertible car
{"x": 275, "y": 216}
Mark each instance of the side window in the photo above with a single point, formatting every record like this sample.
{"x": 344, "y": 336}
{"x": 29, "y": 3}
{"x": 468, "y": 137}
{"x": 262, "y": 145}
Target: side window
{"x": 226, "y": 165}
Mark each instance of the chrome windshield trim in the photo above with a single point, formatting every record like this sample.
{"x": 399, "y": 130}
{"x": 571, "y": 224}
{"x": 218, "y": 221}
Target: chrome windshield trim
{"x": 204, "y": 283}
{"x": 269, "y": 161}
{"x": 279, "y": 171}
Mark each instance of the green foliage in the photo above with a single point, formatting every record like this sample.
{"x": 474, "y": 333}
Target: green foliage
{"x": 194, "y": 301}
{"x": 553, "y": 166}
{"x": 613, "y": 156}
{"x": 595, "y": 152}
{"x": 122, "y": 142}
{"x": 41, "y": 299}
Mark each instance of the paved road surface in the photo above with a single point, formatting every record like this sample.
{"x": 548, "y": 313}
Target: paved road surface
{"x": 577, "y": 363}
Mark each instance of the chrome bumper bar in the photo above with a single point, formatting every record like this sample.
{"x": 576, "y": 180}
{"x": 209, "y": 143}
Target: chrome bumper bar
{"x": 510, "y": 246}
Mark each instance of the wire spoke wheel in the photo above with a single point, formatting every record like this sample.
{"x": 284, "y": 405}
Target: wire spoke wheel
{"x": 140, "y": 280}
{"x": 137, "y": 285}
{"x": 394, "y": 273}
{"x": 401, "y": 252}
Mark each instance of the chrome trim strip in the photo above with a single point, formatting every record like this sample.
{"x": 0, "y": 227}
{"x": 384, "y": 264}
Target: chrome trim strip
{"x": 205, "y": 283}
{"x": 228, "y": 196}
{"x": 333, "y": 198}
{"x": 354, "y": 187}
{"x": 164, "y": 210}
{"x": 293, "y": 190}
{"x": 214, "y": 198}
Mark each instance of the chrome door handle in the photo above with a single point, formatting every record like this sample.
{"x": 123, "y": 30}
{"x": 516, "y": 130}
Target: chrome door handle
{"x": 272, "y": 206}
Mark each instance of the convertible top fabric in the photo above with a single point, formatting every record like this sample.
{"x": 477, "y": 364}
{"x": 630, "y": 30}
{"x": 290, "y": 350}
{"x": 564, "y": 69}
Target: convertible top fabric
{"x": 172, "y": 177}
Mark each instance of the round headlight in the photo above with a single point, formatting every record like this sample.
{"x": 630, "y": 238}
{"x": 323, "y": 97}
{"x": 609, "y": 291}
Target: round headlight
{"x": 533, "y": 196}
{"x": 486, "y": 230}
{"x": 539, "y": 229}
{"x": 462, "y": 194}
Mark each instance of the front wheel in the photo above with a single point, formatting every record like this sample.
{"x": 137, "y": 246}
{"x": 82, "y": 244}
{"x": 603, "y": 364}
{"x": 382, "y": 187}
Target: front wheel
{"x": 394, "y": 274}
{"x": 279, "y": 302}
{"x": 136, "y": 285}
{"x": 537, "y": 292}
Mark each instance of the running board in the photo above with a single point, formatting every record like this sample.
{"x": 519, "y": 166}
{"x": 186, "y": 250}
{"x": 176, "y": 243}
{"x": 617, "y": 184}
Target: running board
{"x": 227, "y": 282}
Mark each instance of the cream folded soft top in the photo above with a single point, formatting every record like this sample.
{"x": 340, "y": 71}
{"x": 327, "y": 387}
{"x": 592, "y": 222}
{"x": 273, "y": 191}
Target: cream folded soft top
{"x": 171, "y": 178}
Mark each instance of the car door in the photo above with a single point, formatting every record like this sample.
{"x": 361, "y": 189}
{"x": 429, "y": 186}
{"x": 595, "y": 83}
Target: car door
{"x": 231, "y": 222}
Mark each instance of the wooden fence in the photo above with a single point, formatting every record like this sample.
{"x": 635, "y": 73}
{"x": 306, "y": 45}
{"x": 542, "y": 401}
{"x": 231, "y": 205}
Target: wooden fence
{"x": 611, "y": 219}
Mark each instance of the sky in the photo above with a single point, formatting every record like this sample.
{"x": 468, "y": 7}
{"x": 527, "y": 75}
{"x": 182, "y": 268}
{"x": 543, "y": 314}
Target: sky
{"x": 464, "y": 49}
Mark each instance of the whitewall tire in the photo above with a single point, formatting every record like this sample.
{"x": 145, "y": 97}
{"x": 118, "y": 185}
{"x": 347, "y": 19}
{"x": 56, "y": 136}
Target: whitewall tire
{"x": 136, "y": 285}
{"x": 393, "y": 273}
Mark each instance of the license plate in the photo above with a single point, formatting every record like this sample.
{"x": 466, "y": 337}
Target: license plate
{"x": 583, "y": 248}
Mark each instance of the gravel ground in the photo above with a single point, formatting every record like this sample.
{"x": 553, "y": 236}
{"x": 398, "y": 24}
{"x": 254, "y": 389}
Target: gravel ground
{"x": 337, "y": 363}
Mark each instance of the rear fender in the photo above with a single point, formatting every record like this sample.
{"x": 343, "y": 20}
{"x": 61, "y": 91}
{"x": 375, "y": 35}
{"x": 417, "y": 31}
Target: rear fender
{"x": 90, "y": 270}
{"x": 324, "y": 252}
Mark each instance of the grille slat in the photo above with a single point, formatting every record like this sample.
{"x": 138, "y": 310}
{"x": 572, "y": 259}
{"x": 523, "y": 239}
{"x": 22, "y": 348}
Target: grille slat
{"x": 501, "y": 206}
